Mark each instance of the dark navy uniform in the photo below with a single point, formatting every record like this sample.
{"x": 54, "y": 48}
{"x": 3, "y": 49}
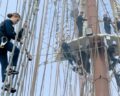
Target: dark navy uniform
{"x": 111, "y": 51}
{"x": 118, "y": 25}
{"x": 7, "y": 30}
{"x": 79, "y": 23}
{"x": 67, "y": 53}
{"x": 107, "y": 27}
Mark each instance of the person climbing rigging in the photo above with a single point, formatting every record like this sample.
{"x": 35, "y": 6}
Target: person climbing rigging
{"x": 107, "y": 22}
{"x": 67, "y": 53}
{"x": 7, "y": 31}
{"x": 111, "y": 51}
{"x": 117, "y": 24}
{"x": 83, "y": 61}
{"x": 79, "y": 21}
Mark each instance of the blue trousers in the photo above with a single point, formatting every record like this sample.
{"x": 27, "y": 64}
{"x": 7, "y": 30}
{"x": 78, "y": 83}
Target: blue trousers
{"x": 80, "y": 29}
{"x": 85, "y": 59}
{"x": 4, "y": 57}
{"x": 107, "y": 29}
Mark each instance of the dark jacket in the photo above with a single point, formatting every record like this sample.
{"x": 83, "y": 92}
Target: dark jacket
{"x": 107, "y": 21}
{"x": 67, "y": 52}
{"x": 111, "y": 50}
{"x": 118, "y": 25}
{"x": 7, "y": 29}
{"x": 80, "y": 20}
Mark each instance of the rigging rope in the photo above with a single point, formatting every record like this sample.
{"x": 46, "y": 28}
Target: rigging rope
{"x": 48, "y": 48}
{"x": 6, "y": 9}
{"x": 38, "y": 53}
{"x": 26, "y": 65}
{"x": 20, "y": 57}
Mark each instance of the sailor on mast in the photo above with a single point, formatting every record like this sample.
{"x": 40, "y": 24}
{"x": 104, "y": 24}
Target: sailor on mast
{"x": 80, "y": 20}
{"x": 111, "y": 55}
{"x": 107, "y": 22}
{"x": 67, "y": 53}
{"x": 7, "y": 30}
{"x": 117, "y": 24}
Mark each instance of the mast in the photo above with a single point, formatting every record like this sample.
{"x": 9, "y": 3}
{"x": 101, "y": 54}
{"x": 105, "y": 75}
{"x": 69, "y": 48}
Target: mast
{"x": 100, "y": 81}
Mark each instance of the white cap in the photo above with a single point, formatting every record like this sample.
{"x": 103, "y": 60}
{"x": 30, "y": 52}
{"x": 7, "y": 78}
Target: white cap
{"x": 114, "y": 43}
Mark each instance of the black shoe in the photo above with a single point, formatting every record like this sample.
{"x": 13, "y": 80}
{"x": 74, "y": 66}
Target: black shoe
{"x": 7, "y": 88}
{"x": 12, "y": 72}
{"x": 75, "y": 69}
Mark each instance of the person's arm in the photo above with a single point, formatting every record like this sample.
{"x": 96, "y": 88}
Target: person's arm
{"x": 110, "y": 21}
{"x": 77, "y": 20}
{"x": 20, "y": 33}
{"x": 84, "y": 19}
{"x": 9, "y": 29}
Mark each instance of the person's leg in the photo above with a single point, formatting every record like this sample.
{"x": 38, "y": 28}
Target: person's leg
{"x": 86, "y": 64}
{"x": 4, "y": 64}
{"x": 9, "y": 47}
{"x": 73, "y": 58}
{"x": 114, "y": 62}
{"x": 80, "y": 31}
{"x": 79, "y": 61}
{"x": 107, "y": 29}
{"x": 69, "y": 58}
